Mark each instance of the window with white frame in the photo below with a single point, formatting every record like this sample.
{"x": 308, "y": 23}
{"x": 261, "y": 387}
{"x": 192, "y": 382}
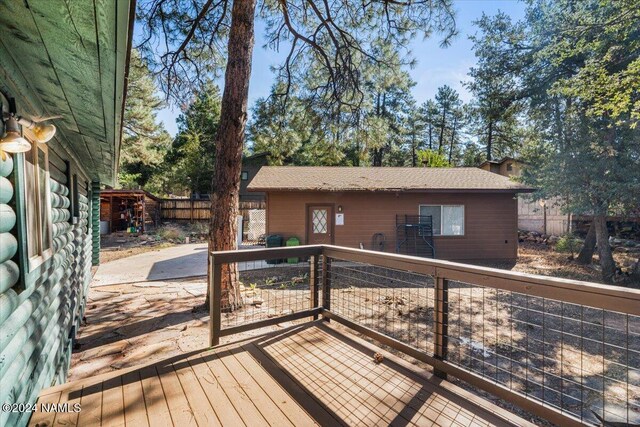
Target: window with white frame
{"x": 37, "y": 205}
{"x": 447, "y": 220}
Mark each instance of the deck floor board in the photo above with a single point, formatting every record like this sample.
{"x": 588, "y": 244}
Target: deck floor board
{"x": 310, "y": 374}
{"x": 154, "y": 398}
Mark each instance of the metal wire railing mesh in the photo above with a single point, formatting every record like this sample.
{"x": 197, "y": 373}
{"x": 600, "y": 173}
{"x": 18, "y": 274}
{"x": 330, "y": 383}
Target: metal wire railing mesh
{"x": 397, "y": 303}
{"x": 266, "y": 289}
{"x": 516, "y": 331}
{"x": 578, "y": 359}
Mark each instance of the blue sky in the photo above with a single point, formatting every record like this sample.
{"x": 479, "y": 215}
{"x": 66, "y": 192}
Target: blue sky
{"x": 435, "y": 66}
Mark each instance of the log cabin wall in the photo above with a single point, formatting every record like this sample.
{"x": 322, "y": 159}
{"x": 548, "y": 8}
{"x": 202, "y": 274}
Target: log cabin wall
{"x": 67, "y": 63}
{"x": 41, "y": 308}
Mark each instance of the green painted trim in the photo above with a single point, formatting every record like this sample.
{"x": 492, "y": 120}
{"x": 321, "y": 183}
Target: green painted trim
{"x": 26, "y": 279}
{"x": 95, "y": 222}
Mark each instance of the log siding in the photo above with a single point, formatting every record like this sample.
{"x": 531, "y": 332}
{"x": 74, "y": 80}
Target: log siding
{"x": 41, "y": 311}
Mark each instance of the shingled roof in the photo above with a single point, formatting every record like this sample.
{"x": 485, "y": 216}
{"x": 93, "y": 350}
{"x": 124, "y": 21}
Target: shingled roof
{"x": 334, "y": 178}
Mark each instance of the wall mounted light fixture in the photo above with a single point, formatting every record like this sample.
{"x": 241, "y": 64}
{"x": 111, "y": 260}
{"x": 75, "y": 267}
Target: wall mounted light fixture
{"x": 13, "y": 142}
{"x": 40, "y": 132}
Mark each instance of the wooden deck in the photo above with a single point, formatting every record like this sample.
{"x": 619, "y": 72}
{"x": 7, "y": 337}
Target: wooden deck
{"x": 305, "y": 375}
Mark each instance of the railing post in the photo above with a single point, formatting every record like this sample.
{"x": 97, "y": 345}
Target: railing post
{"x": 215, "y": 294}
{"x": 441, "y": 321}
{"x": 314, "y": 281}
{"x": 326, "y": 285}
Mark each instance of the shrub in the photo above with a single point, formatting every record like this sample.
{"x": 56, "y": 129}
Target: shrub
{"x": 568, "y": 243}
{"x": 171, "y": 232}
{"x": 199, "y": 227}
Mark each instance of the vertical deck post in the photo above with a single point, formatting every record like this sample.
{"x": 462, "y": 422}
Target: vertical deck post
{"x": 441, "y": 321}
{"x": 215, "y": 294}
{"x": 326, "y": 285}
{"x": 314, "y": 281}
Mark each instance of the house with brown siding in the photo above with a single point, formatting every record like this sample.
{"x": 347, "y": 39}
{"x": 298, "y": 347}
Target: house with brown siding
{"x": 472, "y": 212}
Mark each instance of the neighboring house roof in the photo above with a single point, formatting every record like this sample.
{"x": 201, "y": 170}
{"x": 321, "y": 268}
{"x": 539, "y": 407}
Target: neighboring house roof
{"x": 327, "y": 178}
{"x": 499, "y": 162}
{"x": 122, "y": 192}
{"x": 58, "y": 59}
{"x": 256, "y": 155}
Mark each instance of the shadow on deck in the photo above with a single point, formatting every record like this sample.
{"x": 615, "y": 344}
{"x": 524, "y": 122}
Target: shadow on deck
{"x": 303, "y": 375}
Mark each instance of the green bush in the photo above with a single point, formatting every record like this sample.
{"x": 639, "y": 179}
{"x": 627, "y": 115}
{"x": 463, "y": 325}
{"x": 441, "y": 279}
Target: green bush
{"x": 568, "y": 243}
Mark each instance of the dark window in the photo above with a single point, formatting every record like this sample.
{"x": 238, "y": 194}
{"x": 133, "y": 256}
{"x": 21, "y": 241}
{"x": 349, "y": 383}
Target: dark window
{"x": 75, "y": 198}
{"x": 509, "y": 167}
{"x": 244, "y": 175}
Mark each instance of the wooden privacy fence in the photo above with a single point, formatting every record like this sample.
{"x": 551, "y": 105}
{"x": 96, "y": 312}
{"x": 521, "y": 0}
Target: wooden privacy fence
{"x": 198, "y": 210}
{"x": 565, "y": 350}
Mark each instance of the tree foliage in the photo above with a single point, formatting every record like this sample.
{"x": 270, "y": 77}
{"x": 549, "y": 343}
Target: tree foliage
{"x": 145, "y": 141}
{"x": 495, "y": 105}
{"x": 571, "y": 78}
{"x": 191, "y": 159}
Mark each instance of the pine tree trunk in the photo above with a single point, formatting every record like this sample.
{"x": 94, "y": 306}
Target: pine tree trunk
{"x": 604, "y": 250}
{"x": 586, "y": 253}
{"x": 490, "y": 141}
{"x": 441, "y": 138}
{"x": 413, "y": 150}
{"x": 453, "y": 138}
{"x": 229, "y": 144}
{"x": 378, "y": 154}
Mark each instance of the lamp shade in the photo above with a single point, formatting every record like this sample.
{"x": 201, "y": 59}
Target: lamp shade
{"x": 13, "y": 142}
{"x": 40, "y": 132}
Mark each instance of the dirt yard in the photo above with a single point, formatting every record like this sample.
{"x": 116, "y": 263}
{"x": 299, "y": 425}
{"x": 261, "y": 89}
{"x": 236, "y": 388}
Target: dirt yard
{"x": 120, "y": 245}
{"x": 543, "y": 260}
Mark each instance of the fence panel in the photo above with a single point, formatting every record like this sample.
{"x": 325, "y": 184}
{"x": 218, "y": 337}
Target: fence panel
{"x": 270, "y": 288}
{"x": 198, "y": 210}
{"x": 555, "y": 347}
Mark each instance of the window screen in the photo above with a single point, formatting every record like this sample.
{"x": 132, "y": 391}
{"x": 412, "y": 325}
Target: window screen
{"x": 31, "y": 199}
{"x": 452, "y": 220}
{"x": 435, "y": 213}
{"x": 37, "y": 205}
{"x": 448, "y": 220}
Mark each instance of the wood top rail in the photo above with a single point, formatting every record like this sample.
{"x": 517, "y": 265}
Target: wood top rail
{"x": 614, "y": 298}
{"x": 595, "y": 295}
{"x": 226, "y": 257}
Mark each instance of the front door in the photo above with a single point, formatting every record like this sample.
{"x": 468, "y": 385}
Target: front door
{"x": 320, "y": 225}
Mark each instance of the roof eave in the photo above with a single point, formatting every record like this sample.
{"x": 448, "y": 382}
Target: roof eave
{"x": 395, "y": 190}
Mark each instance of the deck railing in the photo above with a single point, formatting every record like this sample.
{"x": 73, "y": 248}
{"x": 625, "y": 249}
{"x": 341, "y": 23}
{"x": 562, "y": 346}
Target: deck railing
{"x": 564, "y": 350}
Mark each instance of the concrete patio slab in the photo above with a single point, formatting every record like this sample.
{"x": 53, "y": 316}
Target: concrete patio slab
{"x": 164, "y": 264}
